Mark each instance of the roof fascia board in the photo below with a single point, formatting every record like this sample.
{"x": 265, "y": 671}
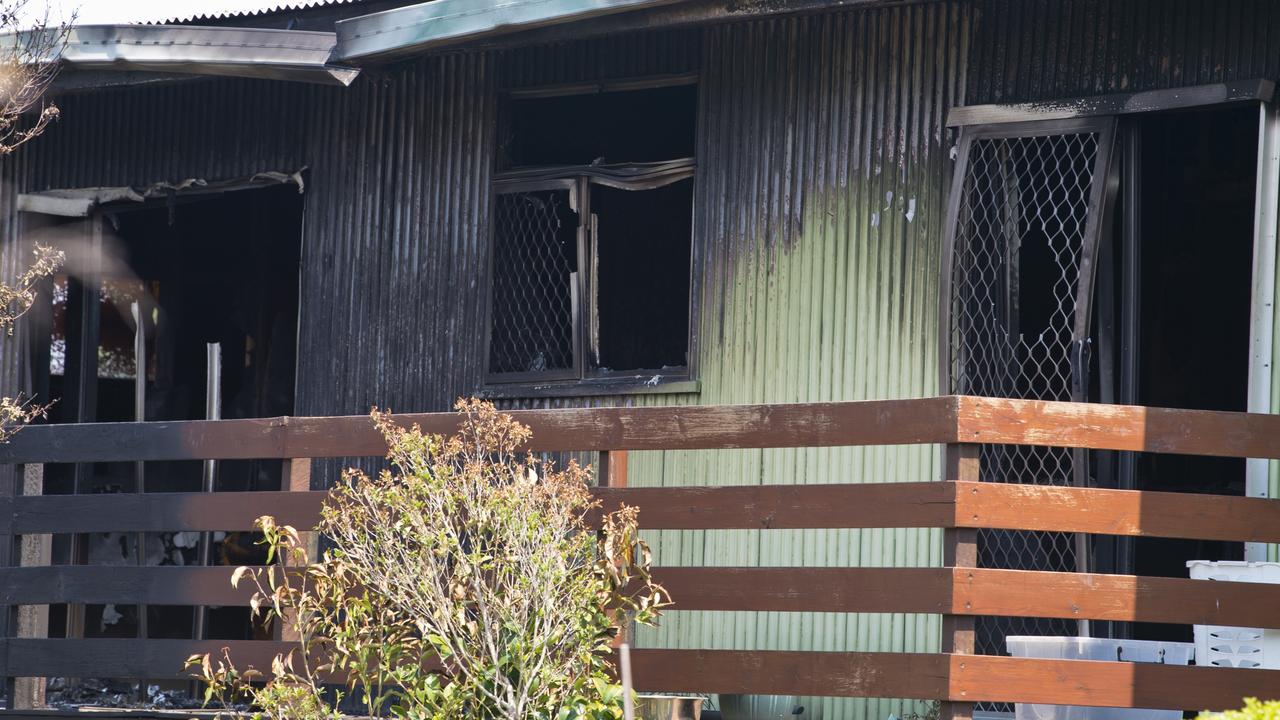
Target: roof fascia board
{"x": 441, "y": 23}
{"x": 196, "y": 50}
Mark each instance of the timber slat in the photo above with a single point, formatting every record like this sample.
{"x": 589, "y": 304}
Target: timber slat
{"x": 1009, "y": 506}
{"x": 876, "y": 505}
{"x": 762, "y": 507}
{"x": 125, "y": 658}
{"x": 872, "y": 505}
{"x": 777, "y": 672}
{"x": 1125, "y": 598}
{"x": 1012, "y": 593}
{"x": 159, "y": 512}
{"x": 88, "y": 584}
{"x": 869, "y": 422}
{"x": 1117, "y": 427}
{"x": 919, "y": 590}
{"x": 987, "y": 678}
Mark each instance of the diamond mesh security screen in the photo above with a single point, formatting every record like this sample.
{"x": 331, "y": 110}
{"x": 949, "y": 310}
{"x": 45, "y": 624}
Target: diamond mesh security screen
{"x": 1019, "y": 239}
{"x": 534, "y": 257}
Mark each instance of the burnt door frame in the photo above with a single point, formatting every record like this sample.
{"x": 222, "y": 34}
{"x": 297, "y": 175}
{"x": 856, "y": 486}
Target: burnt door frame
{"x": 1262, "y": 337}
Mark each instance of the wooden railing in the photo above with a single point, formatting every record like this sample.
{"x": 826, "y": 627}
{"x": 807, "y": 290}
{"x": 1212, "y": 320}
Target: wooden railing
{"x": 960, "y": 505}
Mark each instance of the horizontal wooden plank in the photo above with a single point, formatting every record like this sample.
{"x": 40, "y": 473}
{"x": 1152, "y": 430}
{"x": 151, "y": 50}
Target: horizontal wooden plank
{"x": 979, "y": 678}
{"x": 1020, "y": 593}
{"x": 159, "y": 512}
{"x": 124, "y": 658}
{"x": 871, "y": 422}
{"x": 1117, "y": 427}
{"x": 1014, "y": 593}
{"x": 923, "y": 504}
{"x": 776, "y": 672}
{"x": 90, "y": 584}
{"x": 921, "y": 590}
{"x": 875, "y": 422}
{"x": 792, "y": 589}
{"x": 762, "y": 507}
{"x": 725, "y": 671}
{"x": 966, "y": 678}
{"x": 1008, "y": 506}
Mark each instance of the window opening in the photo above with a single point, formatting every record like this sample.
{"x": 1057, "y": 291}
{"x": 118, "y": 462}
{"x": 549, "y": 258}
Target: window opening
{"x": 592, "y": 237}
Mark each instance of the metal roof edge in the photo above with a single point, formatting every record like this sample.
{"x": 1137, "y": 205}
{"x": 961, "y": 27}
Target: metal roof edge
{"x": 294, "y": 55}
{"x": 438, "y": 23}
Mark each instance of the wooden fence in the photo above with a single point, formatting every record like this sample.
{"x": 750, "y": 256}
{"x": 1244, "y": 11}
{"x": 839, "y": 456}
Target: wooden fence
{"x": 959, "y": 591}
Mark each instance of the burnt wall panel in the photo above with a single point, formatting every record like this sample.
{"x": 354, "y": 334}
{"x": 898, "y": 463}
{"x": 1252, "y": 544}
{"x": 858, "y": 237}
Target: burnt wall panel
{"x": 1032, "y": 50}
{"x": 396, "y": 228}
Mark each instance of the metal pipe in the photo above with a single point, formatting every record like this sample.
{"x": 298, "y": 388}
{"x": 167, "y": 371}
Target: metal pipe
{"x": 139, "y": 468}
{"x": 628, "y": 703}
{"x": 212, "y": 411}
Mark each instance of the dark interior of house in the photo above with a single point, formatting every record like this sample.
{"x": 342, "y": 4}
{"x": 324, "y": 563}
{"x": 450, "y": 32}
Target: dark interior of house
{"x": 216, "y": 268}
{"x": 1199, "y": 174}
{"x": 643, "y": 275}
{"x": 600, "y": 128}
{"x": 640, "y": 273}
{"x": 1192, "y": 214}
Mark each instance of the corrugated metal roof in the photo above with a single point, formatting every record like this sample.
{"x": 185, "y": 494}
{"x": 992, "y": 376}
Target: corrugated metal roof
{"x": 115, "y": 12}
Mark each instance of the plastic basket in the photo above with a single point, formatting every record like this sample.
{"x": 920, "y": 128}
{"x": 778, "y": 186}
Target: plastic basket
{"x": 1236, "y": 646}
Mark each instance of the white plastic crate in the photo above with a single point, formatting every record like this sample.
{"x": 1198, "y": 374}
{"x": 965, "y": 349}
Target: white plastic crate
{"x": 1236, "y": 646}
{"x": 1077, "y": 648}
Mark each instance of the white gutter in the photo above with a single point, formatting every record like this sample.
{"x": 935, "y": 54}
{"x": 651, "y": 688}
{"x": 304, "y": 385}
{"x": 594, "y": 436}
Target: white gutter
{"x": 227, "y": 51}
{"x": 446, "y": 22}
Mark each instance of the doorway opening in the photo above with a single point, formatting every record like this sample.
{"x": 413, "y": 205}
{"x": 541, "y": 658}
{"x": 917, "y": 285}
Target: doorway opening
{"x": 146, "y": 289}
{"x": 1174, "y": 297}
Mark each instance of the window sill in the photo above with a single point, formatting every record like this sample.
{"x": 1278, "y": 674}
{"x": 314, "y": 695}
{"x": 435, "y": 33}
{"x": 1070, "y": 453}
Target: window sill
{"x": 592, "y": 387}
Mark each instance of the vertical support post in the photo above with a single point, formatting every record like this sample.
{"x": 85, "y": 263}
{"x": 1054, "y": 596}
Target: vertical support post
{"x": 33, "y": 620}
{"x": 8, "y": 487}
{"x": 961, "y": 463}
{"x": 297, "y": 478}
{"x": 84, "y": 320}
{"x": 212, "y": 411}
{"x": 613, "y": 468}
{"x": 139, "y": 468}
{"x": 612, "y": 472}
{"x": 1262, "y": 335}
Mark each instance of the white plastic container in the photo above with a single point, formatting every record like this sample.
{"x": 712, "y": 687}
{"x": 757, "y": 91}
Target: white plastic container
{"x": 1236, "y": 646}
{"x": 1075, "y": 648}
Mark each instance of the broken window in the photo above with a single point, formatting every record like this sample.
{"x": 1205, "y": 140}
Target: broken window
{"x": 592, "y": 237}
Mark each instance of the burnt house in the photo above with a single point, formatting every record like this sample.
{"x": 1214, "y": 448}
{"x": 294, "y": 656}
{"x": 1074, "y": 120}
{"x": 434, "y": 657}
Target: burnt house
{"x": 314, "y": 210}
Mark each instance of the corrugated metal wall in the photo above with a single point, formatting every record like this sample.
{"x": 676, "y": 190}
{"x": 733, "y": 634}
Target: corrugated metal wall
{"x": 819, "y": 198}
{"x": 1028, "y": 50}
{"x": 822, "y": 170}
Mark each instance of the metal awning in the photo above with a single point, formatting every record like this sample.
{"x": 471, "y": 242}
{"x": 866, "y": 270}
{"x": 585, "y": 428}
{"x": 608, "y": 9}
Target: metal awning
{"x": 227, "y": 51}
{"x": 445, "y": 22}
{"x": 80, "y": 202}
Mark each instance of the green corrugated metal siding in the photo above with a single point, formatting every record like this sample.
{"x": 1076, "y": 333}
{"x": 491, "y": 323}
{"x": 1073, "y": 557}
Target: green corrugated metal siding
{"x": 822, "y": 166}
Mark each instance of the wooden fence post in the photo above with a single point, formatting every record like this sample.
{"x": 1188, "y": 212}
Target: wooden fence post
{"x": 8, "y": 488}
{"x": 613, "y": 468}
{"x": 297, "y": 478}
{"x": 612, "y": 471}
{"x": 33, "y": 620}
{"x": 959, "y": 550}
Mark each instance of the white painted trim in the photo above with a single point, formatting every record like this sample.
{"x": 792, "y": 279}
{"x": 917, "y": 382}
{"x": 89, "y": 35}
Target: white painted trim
{"x": 1262, "y": 305}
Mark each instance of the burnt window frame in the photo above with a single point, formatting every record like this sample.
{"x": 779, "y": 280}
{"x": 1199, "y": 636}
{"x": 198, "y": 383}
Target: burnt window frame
{"x": 582, "y": 378}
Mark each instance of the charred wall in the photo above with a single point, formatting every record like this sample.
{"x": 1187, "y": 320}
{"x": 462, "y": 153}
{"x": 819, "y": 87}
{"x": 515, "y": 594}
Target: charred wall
{"x": 1030, "y": 50}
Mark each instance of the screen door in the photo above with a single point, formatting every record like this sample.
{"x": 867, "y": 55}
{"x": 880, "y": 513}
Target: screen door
{"x": 1022, "y": 233}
